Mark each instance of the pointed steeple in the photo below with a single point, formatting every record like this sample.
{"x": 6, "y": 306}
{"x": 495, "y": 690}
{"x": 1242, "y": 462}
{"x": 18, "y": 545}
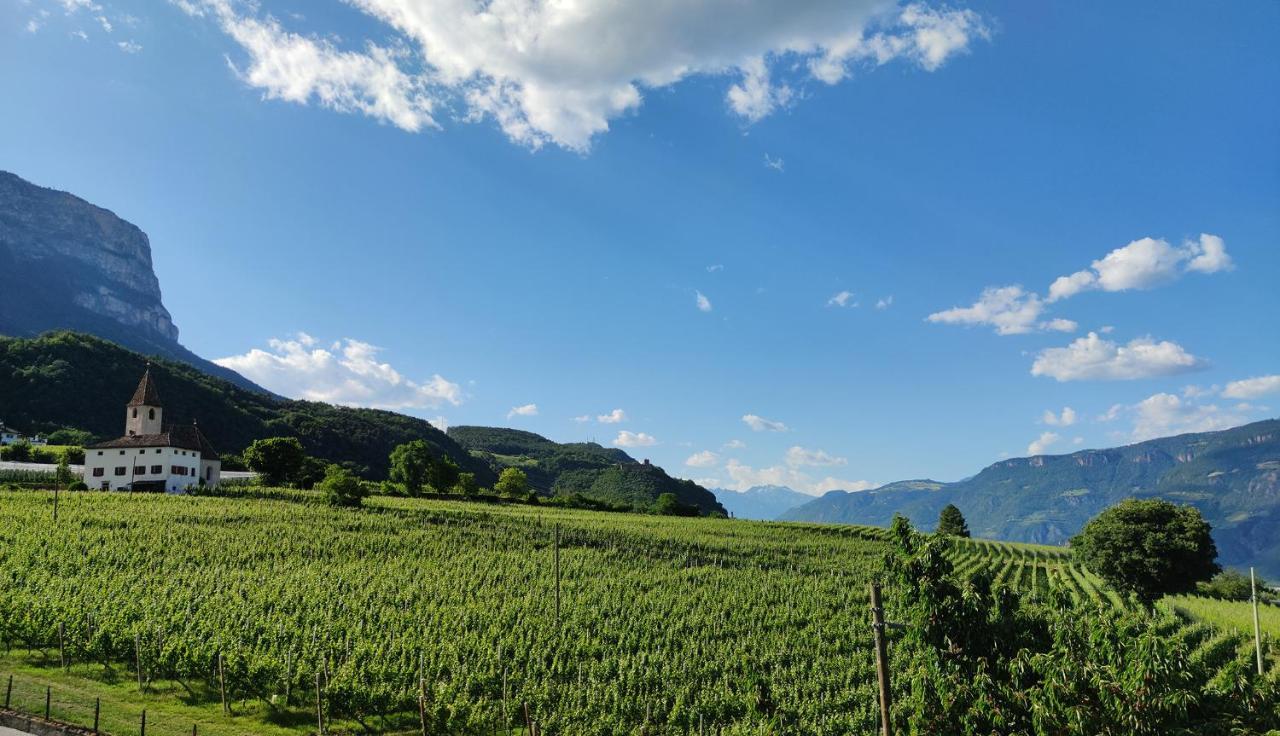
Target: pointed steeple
{"x": 146, "y": 395}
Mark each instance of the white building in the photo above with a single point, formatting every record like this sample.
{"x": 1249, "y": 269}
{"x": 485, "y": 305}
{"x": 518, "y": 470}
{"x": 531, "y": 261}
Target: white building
{"x": 151, "y": 457}
{"x": 9, "y": 435}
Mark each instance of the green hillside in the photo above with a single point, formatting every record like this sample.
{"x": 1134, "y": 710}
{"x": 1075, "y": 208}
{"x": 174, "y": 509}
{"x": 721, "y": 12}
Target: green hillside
{"x": 582, "y": 468}
{"x": 1232, "y": 476}
{"x": 67, "y": 379}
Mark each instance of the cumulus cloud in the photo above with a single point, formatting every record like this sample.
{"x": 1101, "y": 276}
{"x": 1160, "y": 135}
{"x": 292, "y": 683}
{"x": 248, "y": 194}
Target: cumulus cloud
{"x": 1065, "y": 419}
{"x": 1042, "y": 443}
{"x": 704, "y": 304}
{"x": 734, "y": 445}
{"x": 347, "y": 373}
{"x": 885, "y": 303}
{"x": 526, "y": 410}
{"x": 616, "y": 416}
{"x": 1096, "y": 358}
{"x": 560, "y": 73}
{"x": 1161, "y": 415}
{"x": 704, "y": 459}
{"x": 634, "y": 439}
{"x": 842, "y": 299}
{"x": 760, "y": 424}
{"x": 1011, "y": 310}
{"x": 1145, "y": 264}
{"x": 800, "y": 457}
{"x": 743, "y": 477}
{"x": 129, "y": 47}
{"x": 777, "y": 164}
{"x": 1252, "y": 388}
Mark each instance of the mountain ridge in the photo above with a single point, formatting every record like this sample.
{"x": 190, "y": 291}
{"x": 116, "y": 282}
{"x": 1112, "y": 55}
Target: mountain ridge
{"x": 762, "y": 503}
{"x": 1232, "y": 476}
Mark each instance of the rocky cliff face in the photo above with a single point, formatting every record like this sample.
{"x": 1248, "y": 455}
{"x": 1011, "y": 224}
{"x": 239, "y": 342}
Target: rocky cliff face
{"x": 91, "y": 259}
{"x": 68, "y": 264}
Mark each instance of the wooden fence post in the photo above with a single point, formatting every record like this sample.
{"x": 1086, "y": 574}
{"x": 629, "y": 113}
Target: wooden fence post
{"x": 319, "y": 708}
{"x": 882, "y": 658}
{"x": 422, "y": 705}
{"x": 48, "y": 698}
{"x": 55, "y": 504}
{"x": 8, "y": 692}
{"x": 557, "y": 548}
{"x": 222, "y": 687}
{"x": 137, "y": 657}
{"x": 1257, "y": 631}
{"x": 97, "y": 709}
{"x": 62, "y": 644}
{"x": 143, "y": 732}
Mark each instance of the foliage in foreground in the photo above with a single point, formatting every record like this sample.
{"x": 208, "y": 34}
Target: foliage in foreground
{"x": 985, "y": 660}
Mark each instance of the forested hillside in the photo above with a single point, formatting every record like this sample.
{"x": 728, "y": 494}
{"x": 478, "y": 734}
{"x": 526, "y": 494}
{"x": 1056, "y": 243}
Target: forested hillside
{"x": 73, "y": 380}
{"x": 1232, "y": 476}
{"x": 583, "y": 468}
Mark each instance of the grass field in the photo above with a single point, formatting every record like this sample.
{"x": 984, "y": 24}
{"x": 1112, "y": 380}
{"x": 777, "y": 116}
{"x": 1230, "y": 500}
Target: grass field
{"x": 664, "y": 625}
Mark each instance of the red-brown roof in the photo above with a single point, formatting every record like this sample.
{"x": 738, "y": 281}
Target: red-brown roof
{"x": 183, "y": 437}
{"x": 146, "y": 394}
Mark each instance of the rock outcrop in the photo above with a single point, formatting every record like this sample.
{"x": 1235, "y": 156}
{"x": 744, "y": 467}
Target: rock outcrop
{"x": 69, "y": 264}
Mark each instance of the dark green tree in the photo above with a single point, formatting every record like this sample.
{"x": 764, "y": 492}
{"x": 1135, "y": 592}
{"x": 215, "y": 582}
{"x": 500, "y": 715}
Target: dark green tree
{"x": 19, "y": 452}
{"x": 1150, "y": 548}
{"x": 1231, "y": 585}
{"x": 63, "y": 473}
{"x": 342, "y": 488}
{"x": 668, "y": 504}
{"x": 466, "y": 485}
{"x": 411, "y": 466}
{"x": 512, "y": 483}
{"x": 951, "y": 522}
{"x": 443, "y": 474}
{"x": 276, "y": 460}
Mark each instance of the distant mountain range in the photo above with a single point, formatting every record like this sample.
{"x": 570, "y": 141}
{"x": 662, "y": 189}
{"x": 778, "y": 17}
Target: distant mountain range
{"x": 764, "y": 503}
{"x": 66, "y": 264}
{"x": 583, "y": 468}
{"x": 1232, "y": 476}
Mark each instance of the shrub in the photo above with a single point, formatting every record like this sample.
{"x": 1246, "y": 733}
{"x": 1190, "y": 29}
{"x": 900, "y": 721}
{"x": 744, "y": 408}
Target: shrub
{"x": 342, "y": 488}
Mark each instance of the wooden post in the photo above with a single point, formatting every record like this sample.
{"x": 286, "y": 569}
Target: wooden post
{"x": 48, "y": 698}
{"x": 1257, "y": 630}
{"x": 97, "y": 709}
{"x": 62, "y": 644}
{"x": 137, "y": 658}
{"x": 557, "y": 547}
{"x": 143, "y": 732}
{"x": 55, "y": 504}
{"x": 882, "y": 658}
{"x": 527, "y": 725}
{"x": 288, "y": 675}
{"x": 193, "y": 730}
{"x": 222, "y": 687}
{"x": 422, "y": 705}
{"x": 8, "y": 692}
{"x": 319, "y": 708}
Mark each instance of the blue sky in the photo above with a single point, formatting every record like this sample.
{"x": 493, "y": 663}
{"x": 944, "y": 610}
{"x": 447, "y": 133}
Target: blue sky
{"x": 534, "y": 221}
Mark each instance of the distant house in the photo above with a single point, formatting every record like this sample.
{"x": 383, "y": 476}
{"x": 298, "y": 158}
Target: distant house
{"x": 9, "y": 435}
{"x": 150, "y": 456}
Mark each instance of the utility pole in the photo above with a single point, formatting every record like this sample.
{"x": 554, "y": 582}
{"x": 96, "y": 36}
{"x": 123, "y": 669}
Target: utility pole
{"x": 882, "y": 658}
{"x": 1257, "y": 630}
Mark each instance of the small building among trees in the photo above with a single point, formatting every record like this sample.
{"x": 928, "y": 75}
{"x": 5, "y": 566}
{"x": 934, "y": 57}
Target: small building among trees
{"x": 151, "y": 456}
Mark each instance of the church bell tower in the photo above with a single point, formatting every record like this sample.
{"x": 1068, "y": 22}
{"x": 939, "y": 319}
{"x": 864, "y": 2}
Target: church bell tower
{"x": 144, "y": 414}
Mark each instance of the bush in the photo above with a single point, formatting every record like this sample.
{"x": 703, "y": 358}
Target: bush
{"x": 78, "y": 486}
{"x": 342, "y": 488}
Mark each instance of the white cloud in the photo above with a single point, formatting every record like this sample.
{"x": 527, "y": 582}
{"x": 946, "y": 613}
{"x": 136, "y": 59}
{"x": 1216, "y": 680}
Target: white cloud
{"x": 1011, "y": 310}
{"x": 735, "y": 445}
{"x": 1252, "y": 388}
{"x": 1095, "y": 358}
{"x": 760, "y": 424}
{"x": 525, "y": 410}
{"x": 704, "y": 459}
{"x": 33, "y": 25}
{"x": 743, "y": 477}
{"x": 1144, "y": 264}
{"x": 80, "y": 35}
{"x": 1164, "y": 414}
{"x": 1042, "y": 443}
{"x": 348, "y": 374}
{"x": 715, "y": 267}
{"x": 842, "y": 299}
{"x": 800, "y": 457}
{"x": 616, "y": 416}
{"x": 777, "y": 164}
{"x": 1065, "y": 419}
{"x": 885, "y": 303}
{"x": 704, "y": 304}
{"x": 560, "y": 72}
{"x": 129, "y": 47}
{"x": 634, "y": 439}
{"x": 582, "y": 419}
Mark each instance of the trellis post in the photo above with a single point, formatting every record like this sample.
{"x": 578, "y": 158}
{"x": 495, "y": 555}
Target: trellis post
{"x": 882, "y": 658}
{"x": 1257, "y": 630}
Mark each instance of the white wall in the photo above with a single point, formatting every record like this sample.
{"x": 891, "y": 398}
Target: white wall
{"x": 107, "y": 460}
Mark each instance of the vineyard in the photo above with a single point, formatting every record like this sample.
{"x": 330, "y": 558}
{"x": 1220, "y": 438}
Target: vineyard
{"x": 658, "y": 625}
